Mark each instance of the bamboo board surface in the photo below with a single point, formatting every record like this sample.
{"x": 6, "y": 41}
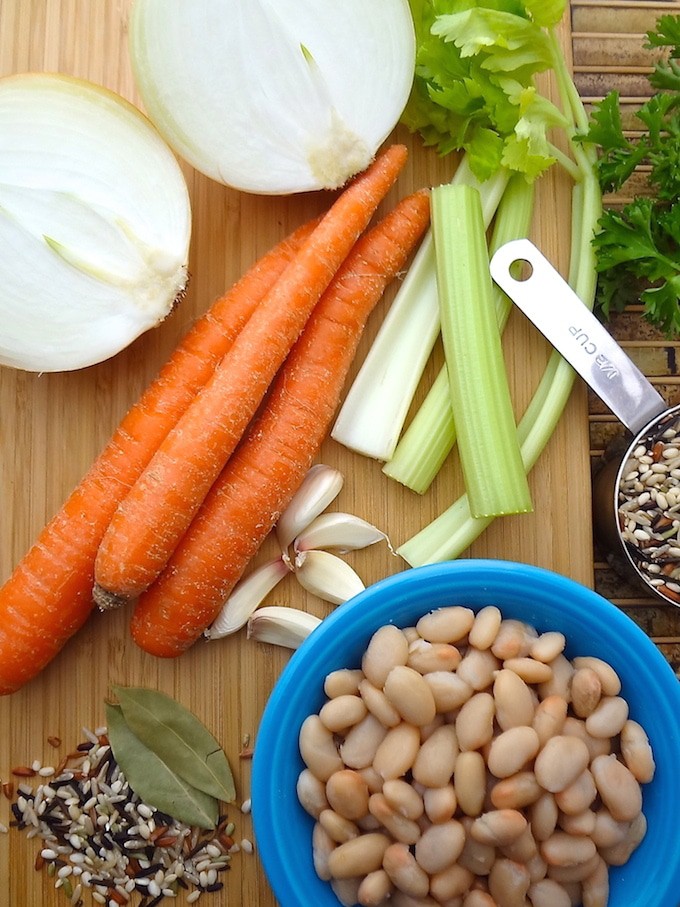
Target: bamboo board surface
{"x": 52, "y": 427}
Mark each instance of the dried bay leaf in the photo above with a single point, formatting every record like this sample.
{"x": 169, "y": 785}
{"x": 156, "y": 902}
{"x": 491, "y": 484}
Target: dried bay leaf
{"x": 152, "y": 780}
{"x": 180, "y": 740}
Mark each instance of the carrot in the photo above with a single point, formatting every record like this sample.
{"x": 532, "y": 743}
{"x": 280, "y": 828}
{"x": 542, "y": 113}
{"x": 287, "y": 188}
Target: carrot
{"x": 48, "y": 597}
{"x": 269, "y": 465}
{"x": 153, "y": 517}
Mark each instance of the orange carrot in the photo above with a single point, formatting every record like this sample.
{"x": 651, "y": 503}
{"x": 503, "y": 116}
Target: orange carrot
{"x": 49, "y": 595}
{"x": 153, "y": 517}
{"x": 279, "y": 447}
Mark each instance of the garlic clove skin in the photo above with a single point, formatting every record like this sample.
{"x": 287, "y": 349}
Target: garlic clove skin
{"x": 327, "y": 576}
{"x": 246, "y": 597}
{"x": 339, "y": 531}
{"x": 95, "y": 223}
{"x": 288, "y": 627}
{"x": 319, "y": 488}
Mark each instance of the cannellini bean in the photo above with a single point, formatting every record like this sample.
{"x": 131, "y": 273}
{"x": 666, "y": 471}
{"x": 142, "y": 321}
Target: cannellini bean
{"x": 560, "y": 762}
{"x": 595, "y": 887}
{"x": 451, "y": 882}
{"x": 511, "y": 750}
{"x": 536, "y": 866}
{"x": 586, "y": 691}
{"x": 478, "y": 898}
{"x": 578, "y": 795}
{"x": 474, "y": 723}
{"x": 562, "y": 849}
{"x": 636, "y": 751}
{"x": 609, "y": 679}
{"x": 582, "y": 823}
{"x": 478, "y": 667}
{"x": 426, "y": 657}
{"x": 509, "y": 883}
{"x": 402, "y": 829}
{"x": 359, "y": 856}
{"x": 318, "y": 749}
{"x": 436, "y": 759}
{"x": 338, "y": 827}
{"x": 359, "y": 747}
{"x": 574, "y": 873}
{"x": 374, "y": 782}
{"x": 608, "y": 718}
{"x": 398, "y": 750}
{"x": 374, "y": 888}
{"x": 407, "y": 691}
{"x": 485, "y": 627}
{"x": 342, "y": 712}
{"x": 608, "y": 831}
{"x": 620, "y": 853}
{"x": 405, "y": 872}
{"x": 475, "y": 856}
{"x": 548, "y": 646}
{"x": 469, "y": 782}
{"x": 403, "y": 798}
{"x": 618, "y": 788}
{"x": 529, "y": 669}
{"x": 440, "y": 845}
{"x": 516, "y": 791}
{"x": 401, "y": 899}
{"x": 344, "y": 682}
{"x": 514, "y": 700}
{"x": 311, "y": 792}
{"x": 549, "y": 718}
{"x": 387, "y": 648}
{"x": 426, "y": 730}
{"x": 498, "y": 827}
{"x": 378, "y": 704}
{"x": 322, "y": 846}
{"x": 548, "y": 893}
{"x": 576, "y": 727}
{"x": 448, "y": 624}
{"x": 513, "y": 639}
{"x": 523, "y": 850}
{"x": 560, "y": 682}
{"x": 543, "y": 815}
{"x": 440, "y": 803}
{"x": 346, "y": 891}
{"x": 347, "y": 793}
{"x": 449, "y": 690}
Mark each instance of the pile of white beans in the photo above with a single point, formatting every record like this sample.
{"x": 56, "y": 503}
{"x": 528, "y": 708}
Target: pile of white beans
{"x": 470, "y": 763}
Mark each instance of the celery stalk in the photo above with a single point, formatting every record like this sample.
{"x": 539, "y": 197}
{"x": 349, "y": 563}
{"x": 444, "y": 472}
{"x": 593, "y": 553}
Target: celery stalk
{"x": 375, "y": 408}
{"x": 429, "y": 438}
{"x": 490, "y": 455}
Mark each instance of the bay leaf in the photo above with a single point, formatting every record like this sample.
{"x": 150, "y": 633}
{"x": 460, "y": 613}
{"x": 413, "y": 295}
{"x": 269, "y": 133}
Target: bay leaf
{"x": 179, "y": 738}
{"x": 152, "y": 780}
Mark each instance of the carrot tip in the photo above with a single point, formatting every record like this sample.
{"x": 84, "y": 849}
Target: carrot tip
{"x": 107, "y": 601}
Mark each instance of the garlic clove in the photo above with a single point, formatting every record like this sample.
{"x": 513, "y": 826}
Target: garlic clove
{"x": 319, "y": 488}
{"x": 246, "y": 597}
{"x": 340, "y": 531}
{"x": 327, "y": 576}
{"x": 288, "y": 627}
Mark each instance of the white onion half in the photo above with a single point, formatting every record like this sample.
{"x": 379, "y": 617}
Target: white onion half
{"x": 95, "y": 223}
{"x": 274, "y": 96}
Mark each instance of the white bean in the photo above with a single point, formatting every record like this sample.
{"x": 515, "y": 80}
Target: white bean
{"x": 397, "y": 752}
{"x": 514, "y": 700}
{"x": 560, "y": 762}
{"x": 562, "y": 849}
{"x": 512, "y": 640}
{"x": 578, "y": 795}
{"x": 637, "y": 752}
{"x": 469, "y": 782}
{"x": 452, "y": 882}
{"x": 386, "y": 648}
{"x": 407, "y": 831}
{"x": 404, "y": 871}
{"x": 608, "y": 717}
{"x": 618, "y": 788}
{"x": 358, "y": 856}
{"x": 318, "y": 749}
{"x": 322, "y": 846}
{"x": 440, "y": 845}
{"x": 426, "y": 657}
{"x": 548, "y": 646}
{"x": 529, "y": 669}
{"x": 404, "y": 798}
{"x": 342, "y": 682}
{"x": 374, "y": 889}
{"x": 485, "y": 627}
{"x": 347, "y": 793}
{"x": 549, "y": 718}
{"x": 548, "y": 893}
{"x": 509, "y": 883}
{"x": 436, "y": 759}
{"x": 448, "y": 624}
{"x": 410, "y": 695}
{"x": 586, "y": 691}
{"x": 342, "y": 712}
{"x": 595, "y": 887}
{"x": 359, "y": 747}
{"x": 478, "y": 667}
{"x": 609, "y": 679}
{"x": 378, "y": 704}
{"x": 311, "y": 792}
{"x": 449, "y": 690}
{"x": 498, "y": 827}
{"x": 440, "y": 803}
{"x": 511, "y": 750}
{"x": 474, "y": 723}
{"x": 516, "y": 791}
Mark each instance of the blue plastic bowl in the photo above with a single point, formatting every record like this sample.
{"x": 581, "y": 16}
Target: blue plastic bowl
{"x": 592, "y": 626}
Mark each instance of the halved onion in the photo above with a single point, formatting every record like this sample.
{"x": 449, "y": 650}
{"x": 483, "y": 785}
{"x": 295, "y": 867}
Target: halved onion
{"x": 274, "y": 96}
{"x": 95, "y": 223}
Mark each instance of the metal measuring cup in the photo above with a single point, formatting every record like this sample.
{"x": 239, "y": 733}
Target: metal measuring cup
{"x": 636, "y": 495}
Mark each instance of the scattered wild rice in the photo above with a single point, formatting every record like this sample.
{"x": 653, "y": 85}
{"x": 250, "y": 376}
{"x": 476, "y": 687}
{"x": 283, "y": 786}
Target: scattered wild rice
{"x": 96, "y": 834}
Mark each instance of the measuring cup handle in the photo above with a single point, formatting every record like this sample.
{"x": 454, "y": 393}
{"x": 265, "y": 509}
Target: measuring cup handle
{"x": 551, "y": 304}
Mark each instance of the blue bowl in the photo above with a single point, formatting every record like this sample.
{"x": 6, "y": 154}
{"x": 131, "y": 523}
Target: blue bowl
{"x": 592, "y": 626}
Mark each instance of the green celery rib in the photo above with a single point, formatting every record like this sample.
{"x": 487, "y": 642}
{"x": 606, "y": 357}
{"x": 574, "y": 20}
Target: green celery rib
{"x": 429, "y": 438}
{"x": 374, "y": 411}
{"x": 490, "y": 455}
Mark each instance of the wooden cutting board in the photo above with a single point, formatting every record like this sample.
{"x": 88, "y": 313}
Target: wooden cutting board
{"x": 53, "y": 425}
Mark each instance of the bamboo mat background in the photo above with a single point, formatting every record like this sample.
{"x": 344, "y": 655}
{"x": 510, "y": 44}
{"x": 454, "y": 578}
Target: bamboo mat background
{"x": 608, "y": 54}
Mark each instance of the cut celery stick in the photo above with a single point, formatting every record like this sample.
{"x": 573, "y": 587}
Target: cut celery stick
{"x": 429, "y": 438}
{"x": 490, "y": 456}
{"x": 375, "y": 408}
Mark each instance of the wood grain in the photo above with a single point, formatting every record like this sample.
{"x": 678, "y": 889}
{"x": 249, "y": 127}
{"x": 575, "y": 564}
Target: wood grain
{"x": 52, "y": 426}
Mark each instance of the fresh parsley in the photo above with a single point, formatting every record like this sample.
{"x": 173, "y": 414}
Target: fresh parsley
{"x": 638, "y": 245}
